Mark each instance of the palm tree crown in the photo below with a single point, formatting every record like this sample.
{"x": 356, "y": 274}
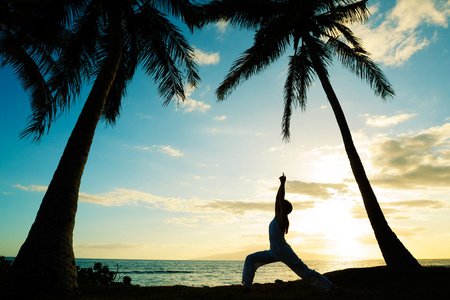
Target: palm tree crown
{"x": 149, "y": 40}
{"x": 317, "y": 30}
{"x": 30, "y": 51}
{"x": 310, "y": 26}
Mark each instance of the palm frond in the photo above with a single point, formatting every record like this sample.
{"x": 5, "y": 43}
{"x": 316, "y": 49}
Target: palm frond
{"x": 361, "y": 64}
{"x": 172, "y": 7}
{"x": 349, "y": 12}
{"x": 162, "y": 68}
{"x": 31, "y": 76}
{"x": 299, "y": 80}
{"x": 304, "y": 78}
{"x": 30, "y": 51}
{"x": 336, "y": 30}
{"x": 270, "y": 43}
{"x": 163, "y": 51}
{"x": 289, "y": 98}
{"x": 248, "y": 14}
{"x": 127, "y": 67}
{"x": 77, "y": 61}
{"x": 184, "y": 9}
{"x": 316, "y": 45}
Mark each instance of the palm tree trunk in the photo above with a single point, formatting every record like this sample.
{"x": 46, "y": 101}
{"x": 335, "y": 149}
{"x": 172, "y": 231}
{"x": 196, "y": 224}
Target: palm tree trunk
{"x": 394, "y": 252}
{"x": 45, "y": 264}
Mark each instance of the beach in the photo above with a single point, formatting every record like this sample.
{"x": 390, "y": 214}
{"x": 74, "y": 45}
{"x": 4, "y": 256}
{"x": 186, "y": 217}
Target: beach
{"x": 359, "y": 283}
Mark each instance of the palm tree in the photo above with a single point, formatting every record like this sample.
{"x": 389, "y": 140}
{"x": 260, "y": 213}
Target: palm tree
{"x": 108, "y": 40}
{"x": 317, "y": 30}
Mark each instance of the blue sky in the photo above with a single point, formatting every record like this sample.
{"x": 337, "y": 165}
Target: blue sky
{"x": 199, "y": 178}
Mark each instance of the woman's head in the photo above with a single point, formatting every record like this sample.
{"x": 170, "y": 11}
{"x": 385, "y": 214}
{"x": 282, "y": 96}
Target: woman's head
{"x": 288, "y": 206}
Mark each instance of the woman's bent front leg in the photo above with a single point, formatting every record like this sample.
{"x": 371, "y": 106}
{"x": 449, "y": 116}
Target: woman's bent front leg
{"x": 252, "y": 263}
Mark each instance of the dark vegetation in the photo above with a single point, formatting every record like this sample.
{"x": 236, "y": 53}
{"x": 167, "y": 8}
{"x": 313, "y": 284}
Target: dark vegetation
{"x": 98, "y": 275}
{"x": 5, "y": 265}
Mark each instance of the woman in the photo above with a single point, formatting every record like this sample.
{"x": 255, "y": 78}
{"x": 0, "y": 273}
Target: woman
{"x": 280, "y": 249}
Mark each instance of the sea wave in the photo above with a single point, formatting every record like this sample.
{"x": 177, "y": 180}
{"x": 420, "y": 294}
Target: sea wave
{"x": 155, "y": 272}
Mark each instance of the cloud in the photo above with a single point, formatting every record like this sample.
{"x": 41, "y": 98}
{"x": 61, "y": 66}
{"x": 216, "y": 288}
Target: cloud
{"x": 220, "y": 118}
{"x": 141, "y": 115}
{"x": 410, "y": 14}
{"x": 205, "y": 90}
{"x": 218, "y": 219}
{"x": 32, "y": 188}
{"x": 221, "y": 27}
{"x": 316, "y": 189}
{"x": 398, "y": 36}
{"x": 400, "y": 231}
{"x": 190, "y": 105}
{"x": 204, "y": 177}
{"x": 144, "y": 148}
{"x": 359, "y": 212}
{"x": 204, "y": 58}
{"x": 431, "y": 204}
{"x": 111, "y": 246}
{"x": 168, "y": 150}
{"x": 120, "y": 196}
{"x": 399, "y": 209}
{"x": 208, "y": 210}
{"x": 240, "y": 207}
{"x": 187, "y": 222}
{"x": 276, "y": 149}
{"x": 383, "y": 121}
{"x": 413, "y": 161}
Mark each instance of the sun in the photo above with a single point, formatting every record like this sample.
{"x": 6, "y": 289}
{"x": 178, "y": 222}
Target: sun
{"x": 332, "y": 222}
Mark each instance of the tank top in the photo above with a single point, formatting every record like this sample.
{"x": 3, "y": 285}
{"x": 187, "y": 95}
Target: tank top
{"x": 276, "y": 236}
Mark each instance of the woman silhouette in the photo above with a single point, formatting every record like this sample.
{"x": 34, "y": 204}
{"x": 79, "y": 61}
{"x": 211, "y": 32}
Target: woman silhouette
{"x": 280, "y": 249}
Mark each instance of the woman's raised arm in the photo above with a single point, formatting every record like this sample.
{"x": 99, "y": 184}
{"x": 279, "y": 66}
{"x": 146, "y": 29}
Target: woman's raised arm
{"x": 279, "y": 202}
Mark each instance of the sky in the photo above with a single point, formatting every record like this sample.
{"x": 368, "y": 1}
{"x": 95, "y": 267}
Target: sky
{"x": 198, "y": 179}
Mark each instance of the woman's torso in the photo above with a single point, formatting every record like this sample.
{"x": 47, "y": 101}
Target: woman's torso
{"x": 276, "y": 236}
{"x": 279, "y": 248}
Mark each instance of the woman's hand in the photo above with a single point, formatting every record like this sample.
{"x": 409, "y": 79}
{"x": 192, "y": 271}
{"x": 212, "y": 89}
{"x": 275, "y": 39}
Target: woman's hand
{"x": 282, "y": 178}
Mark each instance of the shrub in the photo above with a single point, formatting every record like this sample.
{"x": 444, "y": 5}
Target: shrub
{"x": 126, "y": 280}
{"x": 97, "y": 275}
{"x": 5, "y": 265}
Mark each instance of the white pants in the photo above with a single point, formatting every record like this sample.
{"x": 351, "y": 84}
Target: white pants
{"x": 258, "y": 259}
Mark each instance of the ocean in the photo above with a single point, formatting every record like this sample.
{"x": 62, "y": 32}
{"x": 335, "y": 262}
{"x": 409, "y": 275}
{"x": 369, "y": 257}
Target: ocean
{"x": 200, "y": 273}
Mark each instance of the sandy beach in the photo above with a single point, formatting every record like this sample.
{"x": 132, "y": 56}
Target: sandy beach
{"x": 364, "y": 283}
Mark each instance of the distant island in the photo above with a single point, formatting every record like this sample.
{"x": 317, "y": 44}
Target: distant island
{"x": 241, "y": 255}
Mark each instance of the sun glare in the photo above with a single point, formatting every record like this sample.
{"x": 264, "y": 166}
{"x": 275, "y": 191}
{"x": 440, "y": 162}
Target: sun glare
{"x": 332, "y": 220}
